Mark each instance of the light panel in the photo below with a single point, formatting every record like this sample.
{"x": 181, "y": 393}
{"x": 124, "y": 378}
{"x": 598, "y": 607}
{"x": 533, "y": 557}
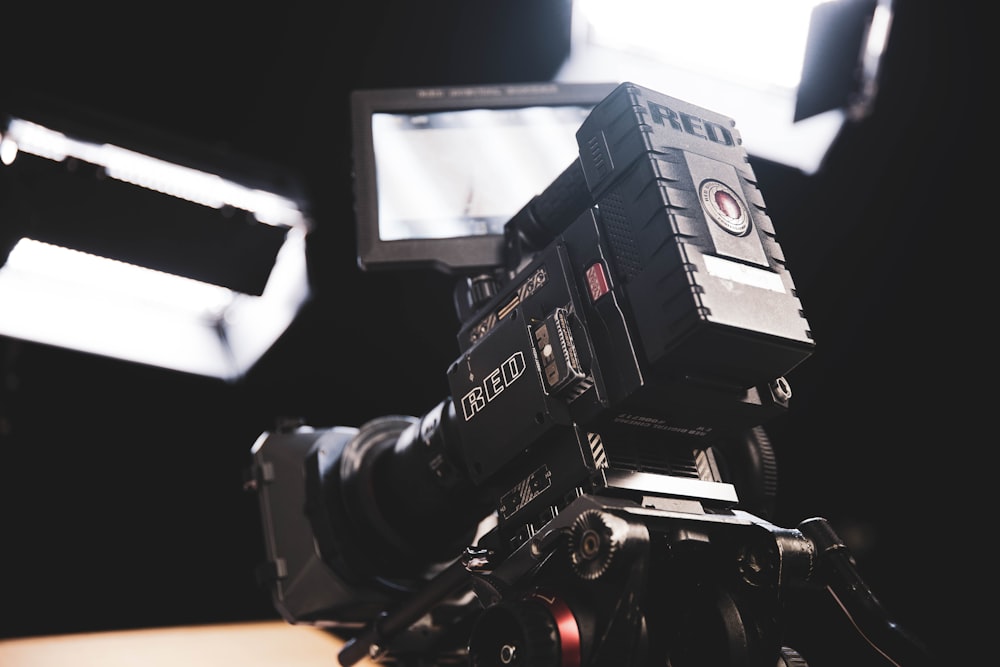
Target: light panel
{"x": 741, "y": 58}
{"x": 68, "y": 298}
{"x": 759, "y": 43}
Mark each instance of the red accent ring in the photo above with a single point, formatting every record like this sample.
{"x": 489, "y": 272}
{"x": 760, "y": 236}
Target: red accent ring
{"x": 569, "y": 631}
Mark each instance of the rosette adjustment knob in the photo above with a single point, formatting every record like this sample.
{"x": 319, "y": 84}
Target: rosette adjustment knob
{"x": 594, "y": 539}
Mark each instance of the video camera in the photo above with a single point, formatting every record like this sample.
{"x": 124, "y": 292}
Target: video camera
{"x": 596, "y": 490}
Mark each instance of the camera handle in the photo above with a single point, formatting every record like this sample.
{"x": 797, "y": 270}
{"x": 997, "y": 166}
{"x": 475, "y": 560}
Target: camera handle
{"x": 840, "y": 575}
{"x": 389, "y": 624}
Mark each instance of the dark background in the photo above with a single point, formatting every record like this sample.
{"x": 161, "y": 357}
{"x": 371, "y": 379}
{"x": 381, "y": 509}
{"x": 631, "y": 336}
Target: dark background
{"x": 120, "y": 485}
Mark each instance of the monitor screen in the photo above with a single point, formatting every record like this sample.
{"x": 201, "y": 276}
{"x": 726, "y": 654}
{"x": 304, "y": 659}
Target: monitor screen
{"x": 439, "y": 172}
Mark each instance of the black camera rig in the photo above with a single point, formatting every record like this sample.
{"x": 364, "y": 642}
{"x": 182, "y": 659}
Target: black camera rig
{"x": 596, "y": 490}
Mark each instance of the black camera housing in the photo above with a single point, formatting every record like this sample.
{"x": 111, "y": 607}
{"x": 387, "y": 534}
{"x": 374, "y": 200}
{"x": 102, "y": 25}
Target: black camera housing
{"x": 603, "y": 433}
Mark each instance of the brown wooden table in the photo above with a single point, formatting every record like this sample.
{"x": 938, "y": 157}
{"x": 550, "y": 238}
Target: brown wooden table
{"x": 255, "y": 644}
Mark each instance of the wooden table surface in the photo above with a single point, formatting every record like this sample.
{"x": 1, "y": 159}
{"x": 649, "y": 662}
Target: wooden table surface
{"x": 255, "y": 644}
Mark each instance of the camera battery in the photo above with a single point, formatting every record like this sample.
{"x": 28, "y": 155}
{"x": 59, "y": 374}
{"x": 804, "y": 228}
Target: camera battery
{"x": 558, "y": 357}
